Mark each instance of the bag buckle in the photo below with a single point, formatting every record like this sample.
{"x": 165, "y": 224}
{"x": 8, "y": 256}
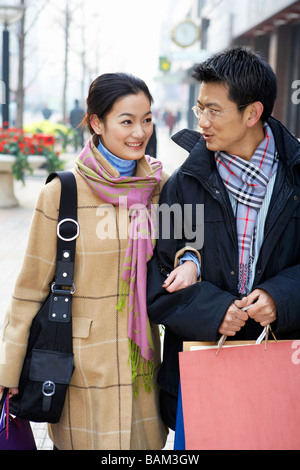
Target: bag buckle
{"x": 59, "y": 226}
{"x": 48, "y": 388}
{"x": 54, "y": 290}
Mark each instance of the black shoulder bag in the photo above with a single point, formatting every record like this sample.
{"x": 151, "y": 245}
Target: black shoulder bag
{"x": 48, "y": 365}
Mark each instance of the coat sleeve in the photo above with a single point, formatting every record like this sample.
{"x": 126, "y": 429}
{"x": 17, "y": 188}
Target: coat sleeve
{"x": 284, "y": 288}
{"x": 196, "y": 312}
{"x": 32, "y": 284}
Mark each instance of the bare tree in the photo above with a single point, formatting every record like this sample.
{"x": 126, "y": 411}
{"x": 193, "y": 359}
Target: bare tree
{"x": 65, "y": 20}
{"x": 66, "y": 59}
{"x": 68, "y": 21}
{"x": 22, "y": 33}
{"x": 20, "y": 89}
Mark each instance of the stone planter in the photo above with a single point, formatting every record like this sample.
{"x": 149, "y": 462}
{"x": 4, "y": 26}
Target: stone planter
{"x": 7, "y": 196}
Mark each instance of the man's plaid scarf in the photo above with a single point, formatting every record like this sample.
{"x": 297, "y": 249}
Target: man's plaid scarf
{"x": 247, "y": 183}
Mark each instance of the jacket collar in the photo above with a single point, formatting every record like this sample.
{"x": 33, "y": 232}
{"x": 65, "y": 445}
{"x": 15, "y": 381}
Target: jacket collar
{"x": 200, "y": 161}
{"x": 287, "y": 145}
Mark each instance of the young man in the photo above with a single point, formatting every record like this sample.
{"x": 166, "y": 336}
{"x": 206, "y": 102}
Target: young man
{"x": 245, "y": 170}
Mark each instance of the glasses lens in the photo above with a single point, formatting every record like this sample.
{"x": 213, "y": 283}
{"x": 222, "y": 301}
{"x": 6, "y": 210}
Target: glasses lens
{"x": 197, "y": 111}
{"x": 209, "y": 114}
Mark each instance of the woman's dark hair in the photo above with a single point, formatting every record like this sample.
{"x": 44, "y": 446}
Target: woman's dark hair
{"x": 106, "y": 89}
{"x": 248, "y": 76}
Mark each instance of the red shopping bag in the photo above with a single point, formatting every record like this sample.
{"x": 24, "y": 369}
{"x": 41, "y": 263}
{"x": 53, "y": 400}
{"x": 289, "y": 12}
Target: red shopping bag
{"x": 246, "y": 398}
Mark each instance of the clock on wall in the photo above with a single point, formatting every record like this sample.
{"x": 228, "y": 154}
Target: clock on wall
{"x": 185, "y": 33}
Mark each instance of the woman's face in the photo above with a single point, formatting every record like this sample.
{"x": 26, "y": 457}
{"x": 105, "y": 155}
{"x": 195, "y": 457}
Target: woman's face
{"x": 127, "y": 128}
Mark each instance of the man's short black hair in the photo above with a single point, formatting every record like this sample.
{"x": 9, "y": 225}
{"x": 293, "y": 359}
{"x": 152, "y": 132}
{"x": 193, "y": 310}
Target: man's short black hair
{"x": 248, "y": 76}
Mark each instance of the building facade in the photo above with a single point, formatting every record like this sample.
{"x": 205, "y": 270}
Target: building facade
{"x": 271, "y": 27}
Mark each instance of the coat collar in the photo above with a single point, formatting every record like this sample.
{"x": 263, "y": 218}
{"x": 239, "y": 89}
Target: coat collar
{"x": 200, "y": 161}
{"x": 288, "y": 148}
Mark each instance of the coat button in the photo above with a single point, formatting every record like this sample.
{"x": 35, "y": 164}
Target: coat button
{"x": 296, "y": 198}
{"x": 232, "y": 273}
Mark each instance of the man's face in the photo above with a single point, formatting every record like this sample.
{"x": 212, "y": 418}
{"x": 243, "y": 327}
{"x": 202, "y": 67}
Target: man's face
{"x": 228, "y": 131}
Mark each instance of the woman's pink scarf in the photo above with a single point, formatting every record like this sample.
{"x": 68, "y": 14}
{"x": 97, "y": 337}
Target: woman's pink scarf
{"x": 137, "y": 193}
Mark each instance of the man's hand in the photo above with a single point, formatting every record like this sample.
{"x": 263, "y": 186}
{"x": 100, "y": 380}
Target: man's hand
{"x": 264, "y": 309}
{"x": 234, "y": 319}
{"x": 181, "y": 277}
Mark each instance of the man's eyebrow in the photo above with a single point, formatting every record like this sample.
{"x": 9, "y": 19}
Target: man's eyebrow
{"x": 208, "y": 105}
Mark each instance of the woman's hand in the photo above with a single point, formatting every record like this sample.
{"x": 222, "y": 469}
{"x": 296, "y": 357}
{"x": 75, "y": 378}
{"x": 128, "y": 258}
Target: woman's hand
{"x": 181, "y": 277}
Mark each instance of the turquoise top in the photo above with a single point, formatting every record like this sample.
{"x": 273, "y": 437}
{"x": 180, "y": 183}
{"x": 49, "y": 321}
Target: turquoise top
{"x": 124, "y": 167}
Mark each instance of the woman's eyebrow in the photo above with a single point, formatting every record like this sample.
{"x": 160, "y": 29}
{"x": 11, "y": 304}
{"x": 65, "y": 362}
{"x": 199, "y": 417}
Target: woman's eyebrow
{"x": 132, "y": 115}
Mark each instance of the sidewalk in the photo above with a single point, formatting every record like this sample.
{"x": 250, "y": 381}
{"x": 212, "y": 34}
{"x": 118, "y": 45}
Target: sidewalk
{"x": 14, "y": 231}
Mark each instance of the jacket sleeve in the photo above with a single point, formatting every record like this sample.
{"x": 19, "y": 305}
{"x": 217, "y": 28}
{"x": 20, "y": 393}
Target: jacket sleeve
{"x": 284, "y": 288}
{"x": 196, "y": 312}
{"x": 193, "y": 314}
{"x": 32, "y": 284}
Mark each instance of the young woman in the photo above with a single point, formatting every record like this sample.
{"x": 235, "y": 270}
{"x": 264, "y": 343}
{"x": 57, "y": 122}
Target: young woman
{"x": 112, "y": 401}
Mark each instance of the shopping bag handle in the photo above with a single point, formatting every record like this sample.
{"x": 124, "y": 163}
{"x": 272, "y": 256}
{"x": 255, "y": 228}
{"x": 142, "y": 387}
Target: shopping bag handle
{"x": 263, "y": 336}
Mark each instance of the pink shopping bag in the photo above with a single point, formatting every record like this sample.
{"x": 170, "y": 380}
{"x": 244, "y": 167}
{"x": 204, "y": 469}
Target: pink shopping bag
{"x": 245, "y": 398}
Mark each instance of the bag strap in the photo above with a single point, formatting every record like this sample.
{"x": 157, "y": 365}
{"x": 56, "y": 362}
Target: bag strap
{"x": 67, "y": 232}
{"x": 3, "y": 398}
{"x": 4, "y": 409}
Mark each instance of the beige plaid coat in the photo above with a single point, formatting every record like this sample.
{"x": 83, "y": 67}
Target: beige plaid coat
{"x": 101, "y": 411}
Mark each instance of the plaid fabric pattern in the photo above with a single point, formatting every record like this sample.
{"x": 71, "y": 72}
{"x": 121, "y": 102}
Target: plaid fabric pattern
{"x": 101, "y": 411}
{"x": 247, "y": 183}
{"x": 138, "y": 190}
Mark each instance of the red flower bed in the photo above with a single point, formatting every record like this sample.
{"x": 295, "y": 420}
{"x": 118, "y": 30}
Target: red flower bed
{"x": 17, "y": 143}
{"x": 13, "y": 141}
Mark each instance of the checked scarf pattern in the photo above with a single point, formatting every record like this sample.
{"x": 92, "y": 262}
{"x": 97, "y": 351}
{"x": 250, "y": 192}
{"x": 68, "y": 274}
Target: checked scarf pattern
{"x": 247, "y": 183}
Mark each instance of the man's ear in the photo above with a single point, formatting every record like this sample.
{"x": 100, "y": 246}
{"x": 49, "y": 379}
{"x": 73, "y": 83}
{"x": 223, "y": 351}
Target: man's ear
{"x": 255, "y": 111}
{"x": 96, "y": 124}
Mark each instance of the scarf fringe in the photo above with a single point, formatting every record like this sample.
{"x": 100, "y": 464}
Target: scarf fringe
{"x": 142, "y": 369}
{"x": 123, "y": 294}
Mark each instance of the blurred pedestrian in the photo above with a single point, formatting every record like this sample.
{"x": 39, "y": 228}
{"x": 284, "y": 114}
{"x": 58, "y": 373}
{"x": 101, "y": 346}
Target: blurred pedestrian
{"x": 170, "y": 120}
{"x": 112, "y": 401}
{"x": 76, "y": 117}
{"x": 46, "y": 112}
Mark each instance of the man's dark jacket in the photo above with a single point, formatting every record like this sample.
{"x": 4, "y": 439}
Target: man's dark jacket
{"x": 197, "y": 312}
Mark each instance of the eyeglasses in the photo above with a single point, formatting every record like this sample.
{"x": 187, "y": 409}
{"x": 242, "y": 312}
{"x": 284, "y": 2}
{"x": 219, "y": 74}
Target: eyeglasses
{"x": 212, "y": 114}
